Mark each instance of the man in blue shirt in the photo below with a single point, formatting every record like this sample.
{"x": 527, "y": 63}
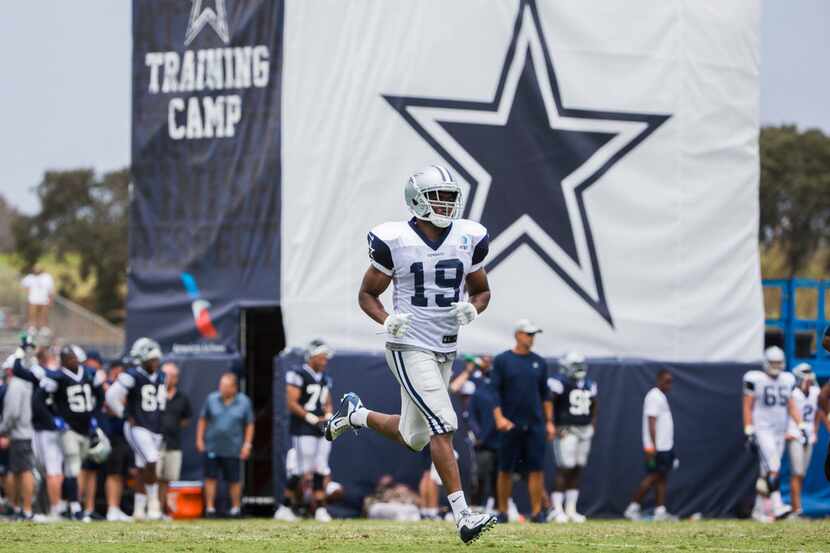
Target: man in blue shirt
{"x": 226, "y": 417}
{"x": 524, "y": 413}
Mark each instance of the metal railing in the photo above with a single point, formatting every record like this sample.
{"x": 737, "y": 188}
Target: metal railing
{"x": 68, "y": 321}
{"x": 799, "y": 312}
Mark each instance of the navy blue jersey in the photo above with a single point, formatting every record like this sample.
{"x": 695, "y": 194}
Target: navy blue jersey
{"x": 76, "y": 396}
{"x": 146, "y": 397}
{"x": 314, "y": 393}
{"x": 43, "y": 419}
{"x": 573, "y": 400}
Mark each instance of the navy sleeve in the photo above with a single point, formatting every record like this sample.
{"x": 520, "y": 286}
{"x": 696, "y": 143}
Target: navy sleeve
{"x": 495, "y": 381}
{"x": 23, "y": 373}
{"x": 379, "y": 252}
{"x": 544, "y": 391}
{"x": 482, "y": 248}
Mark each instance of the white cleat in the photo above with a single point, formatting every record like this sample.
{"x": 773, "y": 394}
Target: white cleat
{"x": 632, "y": 512}
{"x": 285, "y": 514}
{"x": 114, "y": 514}
{"x": 140, "y": 513}
{"x": 782, "y": 511}
{"x": 339, "y": 422}
{"x": 154, "y": 510}
{"x": 472, "y": 525}
{"x": 573, "y": 516}
{"x": 558, "y": 517}
{"x": 759, "y": 516}
{"x": 322, "y": 515}
{"x": 45, "y": 519}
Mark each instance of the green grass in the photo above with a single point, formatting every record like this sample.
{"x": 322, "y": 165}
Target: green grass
{"x": 362, "y": 536}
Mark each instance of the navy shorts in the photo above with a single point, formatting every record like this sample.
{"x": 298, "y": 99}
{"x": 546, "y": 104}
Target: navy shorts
{"x": 662, "y": 463}
{"x": 222, "y": 468}
{"x": 525, "y": 446}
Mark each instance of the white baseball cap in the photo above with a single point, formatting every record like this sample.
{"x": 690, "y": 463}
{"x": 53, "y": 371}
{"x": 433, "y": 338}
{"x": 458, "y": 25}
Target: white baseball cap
{"x": 524, "y": 325}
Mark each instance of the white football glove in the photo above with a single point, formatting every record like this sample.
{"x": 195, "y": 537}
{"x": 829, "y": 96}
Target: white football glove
{"x": 397, "y": 324}
{"x": 312, "y": 419}
{"x": 464, "y": 312}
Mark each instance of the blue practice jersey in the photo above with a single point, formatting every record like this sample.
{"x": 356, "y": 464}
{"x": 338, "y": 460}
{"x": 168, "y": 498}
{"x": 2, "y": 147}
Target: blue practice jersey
{"x": 573, "y": 400}
{"x": 76, "y": 396}
{"x": 146, "y": 397}
{"x": 314, "y": 393}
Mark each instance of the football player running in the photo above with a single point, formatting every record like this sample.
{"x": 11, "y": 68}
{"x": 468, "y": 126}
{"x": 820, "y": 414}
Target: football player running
{"x": 805, "y": 396}
{"x": 139, "y": 395}
{"x": 574, "y": 415}
{"x": 308, "y": 396}
{"x": 767, "y": 403}
{"x": 436, "y": 263}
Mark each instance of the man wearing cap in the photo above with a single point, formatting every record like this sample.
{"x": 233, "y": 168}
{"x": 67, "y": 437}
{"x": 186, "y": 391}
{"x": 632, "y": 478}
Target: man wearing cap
{"x": 523, "y": 412}
{"x": 308, "y": 396}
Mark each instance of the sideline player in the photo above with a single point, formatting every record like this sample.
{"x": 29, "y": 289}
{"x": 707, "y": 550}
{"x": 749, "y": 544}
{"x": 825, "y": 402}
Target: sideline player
{"x": 824, "y": 401}
{"x": 436, "y": 262}
{"x": 308, "y": 396}
{"x": 766, "y": 404}
{"x": 574, "y": 415}
{"x": 76, "y": 391}
{"x": 139, "y": 395}
{"x": 805, "y": 396}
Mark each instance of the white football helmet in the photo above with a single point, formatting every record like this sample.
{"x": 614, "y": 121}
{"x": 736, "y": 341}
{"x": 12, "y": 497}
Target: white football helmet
{"x": 99, "y": 447}
{"x": 422, "y": 195}
{"x": 574, "y": 365}
{"x": 145, "y": 349}
{"x": 317, "y": 347}
{"x": 774, "y": 360}
{"x": 802, "y": 372}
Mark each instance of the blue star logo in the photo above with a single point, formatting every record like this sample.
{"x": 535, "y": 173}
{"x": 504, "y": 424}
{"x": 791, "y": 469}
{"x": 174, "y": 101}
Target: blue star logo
{"x": 528, "y": 159}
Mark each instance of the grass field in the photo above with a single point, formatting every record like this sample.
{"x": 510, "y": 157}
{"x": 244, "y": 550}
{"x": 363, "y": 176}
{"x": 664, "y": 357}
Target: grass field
{"x": 258, "y": 535}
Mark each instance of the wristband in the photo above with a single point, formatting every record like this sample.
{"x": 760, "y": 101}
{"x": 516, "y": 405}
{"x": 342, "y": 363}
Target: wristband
{"x": 312, "y": 419}
{"x": 247, "y": 444}
{"x": 749, "y": 430}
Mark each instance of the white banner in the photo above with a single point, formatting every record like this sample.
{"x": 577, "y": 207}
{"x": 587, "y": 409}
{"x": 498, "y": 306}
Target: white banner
{"x": 610, "y": 148}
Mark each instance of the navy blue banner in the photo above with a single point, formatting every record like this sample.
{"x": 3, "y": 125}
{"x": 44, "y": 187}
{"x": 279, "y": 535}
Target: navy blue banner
{"x": 715, "y": 477}
{"x": 205, "y": 214}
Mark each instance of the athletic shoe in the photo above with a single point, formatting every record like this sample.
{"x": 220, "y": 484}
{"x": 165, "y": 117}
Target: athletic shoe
{"x": 539, "y": 518}
{"x": 140, "y": 513}
{"x": 211, "y": 514}
{"x": 661, "y": 515}
{"x": 340, "y": 422}
{"x": 558, "y": 517}
{"x": 154, "y": 509}
{"x": 45, "y": 519}
{"x": 472, "y": 525}
{"x": 285, "y": 514}
{"x": 502, "y": 518}
{"x": 632, "y": 512}
{"x": 573, "y": 516}
{"x": 782, "y": 511}
{"x": 322, "y": 515}
{"x": 114, "y": 514}
{"x": 93, "y": 516}
{"x": 759, "y": 516}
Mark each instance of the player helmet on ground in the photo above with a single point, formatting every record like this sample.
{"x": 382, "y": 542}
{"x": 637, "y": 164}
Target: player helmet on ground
{"x": 145, "y": 349}
{"x": 318, "y": 347}
{"x": 574, "y": 365}
{"x": 802, "y": 372}
{"x": 425, "y": 201}
{"x": 774, "y": 360}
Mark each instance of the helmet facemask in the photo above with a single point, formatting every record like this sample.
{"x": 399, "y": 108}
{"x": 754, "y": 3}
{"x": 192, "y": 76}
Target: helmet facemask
{"x": 442, "y": 205}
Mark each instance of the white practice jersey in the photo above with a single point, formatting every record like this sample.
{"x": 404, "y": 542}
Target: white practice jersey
{"x": 771, "y": 397}
{"x": 807, "y": 405}
{"x": 428, "y": 276}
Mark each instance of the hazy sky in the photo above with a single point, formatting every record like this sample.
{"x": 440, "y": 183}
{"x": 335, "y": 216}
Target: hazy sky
{"x": 65, "y": 94}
